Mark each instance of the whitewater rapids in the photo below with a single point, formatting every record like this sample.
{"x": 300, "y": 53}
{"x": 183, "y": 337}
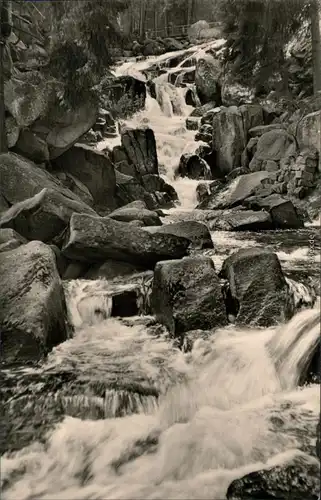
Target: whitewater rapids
{"x": 214, "y": 426}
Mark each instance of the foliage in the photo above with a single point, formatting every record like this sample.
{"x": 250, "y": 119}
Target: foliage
{"x": 124, "y": 108}
{"x": 257, "y": 32}
{"x": 84, "y": 32}
{"x": 79, "y": 37}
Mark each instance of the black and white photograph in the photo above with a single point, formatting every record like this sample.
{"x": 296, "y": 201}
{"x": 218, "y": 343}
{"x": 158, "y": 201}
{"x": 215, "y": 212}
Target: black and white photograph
{"x": 160, "y": 241}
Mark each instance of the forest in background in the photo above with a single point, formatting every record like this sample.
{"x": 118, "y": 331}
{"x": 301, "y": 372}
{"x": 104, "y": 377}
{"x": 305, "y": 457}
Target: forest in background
{"x": 75, "y": 42}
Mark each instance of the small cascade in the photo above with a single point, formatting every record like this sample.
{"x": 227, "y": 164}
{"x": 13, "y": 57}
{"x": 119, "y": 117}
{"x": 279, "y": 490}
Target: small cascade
{"x": 170, "y": 99}
{"x": 301, "y": 295}
{"x": 292, "y": 347}
{"x": 89, "y": 302}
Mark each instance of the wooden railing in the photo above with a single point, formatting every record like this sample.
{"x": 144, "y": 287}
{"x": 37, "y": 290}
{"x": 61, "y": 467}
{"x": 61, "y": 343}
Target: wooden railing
{"x": 178, "y": 31}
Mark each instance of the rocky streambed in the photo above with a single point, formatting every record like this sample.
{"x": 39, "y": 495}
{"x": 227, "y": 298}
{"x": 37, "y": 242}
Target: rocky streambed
{"x": 159, "y": 306}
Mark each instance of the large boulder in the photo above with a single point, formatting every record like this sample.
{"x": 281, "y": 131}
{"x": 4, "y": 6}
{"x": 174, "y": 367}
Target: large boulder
{"x": 229, "y": 138}
{"x": 273, "y": 145}
{"x": 196, "y": 232}
{"x": 61, "y": 128}
{"x": 244, "y": 220}
{"x": 94, "y": 169}
{"x": 193, "y": 167}
{"x": 207, "y": 75}
{"x": 21, "y": 179}
{"x": 281, "y": 210}
{"x": 155, "y": 185}
{"x": 44, "y": 216}
{"x": 308, "y": 132}
{"x": 153, "y": 48}
{"x": 295, "y": 480}
{"x": 96, "y": 239}
{"x": 32, "y": 305}
{"x": 140, "y": 147}
{"x": 236, "y": 191}
{"x": 257, "y": 290}
{"x": 27, "y": 97}
{"x": 186, "y": 295}
{"x": 132, "y": 212}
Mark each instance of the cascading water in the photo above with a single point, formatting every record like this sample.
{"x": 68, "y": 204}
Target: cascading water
{"x": 215, "y": 422}
{"x": 166, "y": 115}
{"x": 140, "y": 419}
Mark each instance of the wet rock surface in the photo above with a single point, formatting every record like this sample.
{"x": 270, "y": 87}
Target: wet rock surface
{"x": 257, "y": 291}
{"x": 296, "y": 480}
{"x": 187, "y": 295}
{"x": 197, "y": 233}
{"x": 32, "y": 317}
{"x": 95, "y": 239}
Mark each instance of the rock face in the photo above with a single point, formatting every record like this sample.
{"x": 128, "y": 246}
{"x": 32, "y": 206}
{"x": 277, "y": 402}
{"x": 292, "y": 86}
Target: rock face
{"x": 44, "y": 216}
{"x": 229, "y": 139}
{"x": 131, "y": 212}
{"x": 273, "y": 145}
{"x": 140, "y": 147}
{"x": 32, "y": 307}
{"x": 94, "y": 170}
{"x": 196, "y": 232}
{"x": 194, "y": 167}
{"x": 187, "y": 295}
{"x": 207, "y": 75}
{"x": 27, "y": 97}
{"x": 308, "y": 132}
{"x": 258, "y": 293}
{"x": 96, "y": 239}
{"x": 61, "y": 128}
{"x": 295, "y": 480}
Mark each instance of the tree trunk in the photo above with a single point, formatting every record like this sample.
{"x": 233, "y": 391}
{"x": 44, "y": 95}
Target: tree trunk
{"x": 142, "y": 18}
{"x": 315, "y": 14}
{"x": 3, "y": 134}
{"x": 189, "y": 12}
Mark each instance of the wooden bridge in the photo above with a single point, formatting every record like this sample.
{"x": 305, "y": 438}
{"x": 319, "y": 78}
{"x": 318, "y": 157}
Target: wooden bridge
{"x": 179, "y": 32}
